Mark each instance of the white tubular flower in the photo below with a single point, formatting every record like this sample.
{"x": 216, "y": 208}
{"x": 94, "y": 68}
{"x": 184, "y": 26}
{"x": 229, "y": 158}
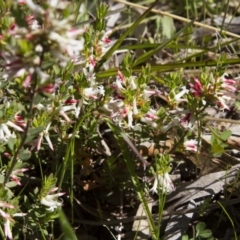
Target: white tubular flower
{"x": 72, "y": 46}
{"x": 5, "y": 133}
{"x": 118, "y": 85}
{"x": 94, "y": 92}
{"x": 191, "y": 145}
{"x": 135, "y": 109}
{"x": 173, "y": 123}
{"x": 164, "y": 182}
{"x": 105, "y": 42}
{"x": 89, "y": 71}
{"x": 131, "y": 82}
{"x": 7, "y": 229}
{"x": 130, "y": 118}
{"x": 50, "y": 200}
{"x": 36, "y": 9}
{"x": 13, "y": 125}
{"x": 44, "y": 134}
{"x": 8, "y": 218}
{"x": 178, "y": 96}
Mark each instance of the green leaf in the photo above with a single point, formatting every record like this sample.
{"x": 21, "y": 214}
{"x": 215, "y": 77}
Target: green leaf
{"x": 173, "y": 66}
{"x": 66, "y": 227}
{"x": 217, "y": 150}
{"x": 168, "y": 27}
{"x": 123, "y": 36}
{"x": 200, "y": 226}
{"x": 11, "y": 143}
{"x": 33, "y": 132}
{"x": 225, "y": 135}
{"x": 1, "y": 179}
{"x": 185, "y": 237}
{"x": 11, "y": 184}
{"x": 206, "y": 233}
{"x": 2, "y": 148}
{"x": 25, "y": 155}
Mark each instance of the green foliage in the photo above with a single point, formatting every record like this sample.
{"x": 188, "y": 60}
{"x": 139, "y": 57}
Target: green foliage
{"x": 75, "y": 113}
{"x": 219, "y": 141}
{"x": 201, "y": 233}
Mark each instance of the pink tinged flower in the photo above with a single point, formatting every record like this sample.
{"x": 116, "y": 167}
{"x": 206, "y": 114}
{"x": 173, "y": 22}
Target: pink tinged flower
{"x": 71, "y": 101}
{"x": 75, "y": 32}
{"x": 50, "y": 200}
{"x": 12, "y": 28}
{"x": 15, "y": 177}
{"x": 39, "y": 142}
{"x": 5, "y": 205}
{"x": 105, "y": 38}
{"x": 14, "y": 64}
{"x": 120, "y": 75}
{"x": 150, "y": 117}
{"x": 196, "y": 87}
{"x": 92, "y": 62}
{"x": 8, "y": 218}
{"x": 222, "y": 101}
{"x": 72, "y": 105}
{"x": 49, "y": 88}
{"x": 32, "y": 22}
{"x": 27, "y": 81}
{"x": 63, "y": 111}
{"x": 229, "y": 85}
{"x": 164, "y": 182}
{"x": 8, "y": 155}
{"x": 191, "y": 145}
{"x": 147, "y": 93}
{"x": 18, "y": 120}
{"x": 188, "y": 121}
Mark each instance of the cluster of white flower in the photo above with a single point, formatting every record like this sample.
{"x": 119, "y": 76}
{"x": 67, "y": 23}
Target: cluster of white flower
{"x": 125, "y": 103}
{"x": 8, "y": 218}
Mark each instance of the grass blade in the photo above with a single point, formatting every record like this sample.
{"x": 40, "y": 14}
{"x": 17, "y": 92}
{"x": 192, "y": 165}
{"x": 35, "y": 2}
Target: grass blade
{"x": 122, "y": 38}
{"x": 144, "y": 57}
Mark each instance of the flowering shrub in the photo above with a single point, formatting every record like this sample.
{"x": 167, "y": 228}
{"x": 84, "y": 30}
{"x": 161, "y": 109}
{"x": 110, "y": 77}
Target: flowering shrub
{"x": 53, "y": 104}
